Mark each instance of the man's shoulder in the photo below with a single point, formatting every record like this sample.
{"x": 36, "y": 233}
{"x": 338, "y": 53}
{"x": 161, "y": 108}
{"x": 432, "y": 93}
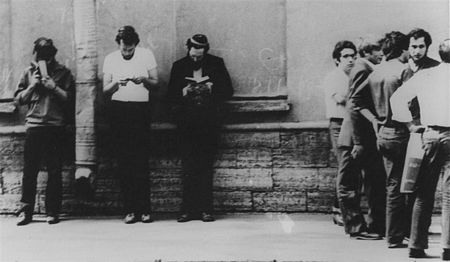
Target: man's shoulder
{"x": 61, "y": 67}
{"x": 430, "y": 62}
{"x": 213, "y": 58}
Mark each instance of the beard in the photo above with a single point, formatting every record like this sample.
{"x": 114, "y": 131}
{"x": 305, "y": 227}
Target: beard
{"x": 196, "y": 65}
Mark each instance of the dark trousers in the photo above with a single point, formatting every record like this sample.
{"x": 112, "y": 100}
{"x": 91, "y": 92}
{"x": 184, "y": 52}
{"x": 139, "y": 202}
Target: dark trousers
{"x": 131, "y": 127}
{"x": 392, "y": 144}
{"x": 349, "y": 183}
{"x": 199, "y": 146}
{"x": 335, "y": 129}
{"x": 437, "y": 158}
{"x": 43, "y": 145}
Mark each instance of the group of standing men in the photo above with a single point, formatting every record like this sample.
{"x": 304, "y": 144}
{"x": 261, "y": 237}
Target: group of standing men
{"x": 374, "y": 102}
{"x": 199, "y": 84}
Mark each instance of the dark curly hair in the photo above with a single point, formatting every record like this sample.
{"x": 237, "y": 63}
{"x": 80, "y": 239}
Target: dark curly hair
{"x": 128, "y": 35}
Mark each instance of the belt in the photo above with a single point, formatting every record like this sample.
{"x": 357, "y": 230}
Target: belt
{"x": 336, "y": 119}
{"x": 440, "y": 128}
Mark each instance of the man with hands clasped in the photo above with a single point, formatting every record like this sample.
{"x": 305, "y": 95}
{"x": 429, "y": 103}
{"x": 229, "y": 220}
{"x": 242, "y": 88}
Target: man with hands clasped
{"x": 130, "y": 73}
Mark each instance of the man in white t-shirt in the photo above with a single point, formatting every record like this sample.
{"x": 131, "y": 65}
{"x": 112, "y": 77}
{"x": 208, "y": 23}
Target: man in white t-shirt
{"x": 336, "y": 90}
{"x": 130, "y": 73}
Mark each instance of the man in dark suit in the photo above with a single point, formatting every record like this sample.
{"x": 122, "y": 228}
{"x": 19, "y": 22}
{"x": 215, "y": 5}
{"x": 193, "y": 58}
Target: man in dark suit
{"x": 357, "y": 134}
{"x": 199, "y": 84}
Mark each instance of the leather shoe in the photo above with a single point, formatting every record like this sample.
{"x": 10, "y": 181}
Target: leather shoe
{"x": 417, "y": 253}
{"x": 337, "y": 220}
{"x": 24, "y": 218}
{"x": 365, "y": 236}
{"x": 184, "y": 218}
{"x": 397, "y": 245}
{"x": 52, "y": 219}
{"x": 206, "y": 217}
{"x": 130, "y": 218}
{"x": 446, "y": 254}
{"x": 146, "y": 218}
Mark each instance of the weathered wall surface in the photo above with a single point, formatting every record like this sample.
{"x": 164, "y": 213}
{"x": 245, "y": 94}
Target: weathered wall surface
{"x": 287, "y": 170}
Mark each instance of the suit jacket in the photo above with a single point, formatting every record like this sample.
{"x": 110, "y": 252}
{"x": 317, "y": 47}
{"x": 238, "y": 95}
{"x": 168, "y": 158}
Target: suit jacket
{"x": 353, "y": 120}
{"x": 221, "y": 90}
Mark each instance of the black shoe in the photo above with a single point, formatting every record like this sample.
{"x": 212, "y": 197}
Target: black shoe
{"x": 184, "y": 218}
{"x": 417, "y": 253}
{"x": 52, "y": 219}
{"x": 446, "y": 254}
{"x": 130, "y": 218}
{"x": 24, "y": 218}
{"x": 146, "y": 218}
{"x": 206, "y": 217}
{"x": 397, "y": 245}
{"x": 365, "y": 236}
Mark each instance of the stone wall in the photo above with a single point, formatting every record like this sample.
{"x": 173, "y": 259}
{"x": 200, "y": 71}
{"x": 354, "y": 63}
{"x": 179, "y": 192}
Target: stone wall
{"x": 260, "y": 168}
{"x": 273, "y": 167}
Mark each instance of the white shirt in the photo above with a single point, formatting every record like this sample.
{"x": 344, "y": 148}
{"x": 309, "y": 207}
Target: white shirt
{"x": 142, "y": 61}
{"x": 432, "y": 88}
{"x": 335, "y": 83}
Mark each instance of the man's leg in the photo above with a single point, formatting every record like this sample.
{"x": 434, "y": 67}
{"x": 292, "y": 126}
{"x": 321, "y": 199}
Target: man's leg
{"x": 392, "y": 145}
{"x": 348, "y": 184}
{"x": 426, "y": 188}
{"x": 335, "y": 128}
{"x": 375, "y": 190}
{"x": 32, "y": 158}
{"x": 54, "y": 152}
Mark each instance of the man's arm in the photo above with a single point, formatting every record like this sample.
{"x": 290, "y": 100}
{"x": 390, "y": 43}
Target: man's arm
{"x": 26, "y": 87}
{"x": 150, "y": 81}
{"x": 224, "y": 88}
{"x": 109, "y": 86}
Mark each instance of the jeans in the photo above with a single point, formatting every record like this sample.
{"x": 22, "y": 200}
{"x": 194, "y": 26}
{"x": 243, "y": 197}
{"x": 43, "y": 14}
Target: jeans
{"x": 436, "y": 142}
{"x": 43, "y": 144}
{"x": 392, "y": 144}
{"x": 349, "y": 183}
{"x": 335, "y": 128}
{"x": 131, "y": 127}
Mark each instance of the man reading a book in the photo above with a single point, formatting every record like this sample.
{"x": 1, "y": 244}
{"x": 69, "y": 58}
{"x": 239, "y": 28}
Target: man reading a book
{"x": 199, "y": 84}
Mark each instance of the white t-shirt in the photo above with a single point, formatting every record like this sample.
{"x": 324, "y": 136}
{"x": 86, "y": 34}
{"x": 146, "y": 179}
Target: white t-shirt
{"x": 142, "y": 61}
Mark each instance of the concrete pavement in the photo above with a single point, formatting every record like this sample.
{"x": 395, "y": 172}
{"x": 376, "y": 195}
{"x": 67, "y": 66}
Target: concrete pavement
{"x": 233, "y": 237}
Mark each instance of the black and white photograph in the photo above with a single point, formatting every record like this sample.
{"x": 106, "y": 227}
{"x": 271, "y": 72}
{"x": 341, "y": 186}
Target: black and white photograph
{"x": 224, "y": 130}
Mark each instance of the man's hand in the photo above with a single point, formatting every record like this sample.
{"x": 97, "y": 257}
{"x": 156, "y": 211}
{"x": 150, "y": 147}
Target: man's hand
{"x": 415, "y": 128}
{"x": 48, "y": 83}
{"x": 376, "y": 125}
{"x": 357, "y": 151}
{"x": 138, "y": 80}
{"x": 123, "y": 81}
{"x": 35, "y": 79}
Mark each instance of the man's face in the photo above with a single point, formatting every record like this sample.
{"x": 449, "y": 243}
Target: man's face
{"x": 347, "y": 59}
{"x": 376, "y": 56}
{"x": 196, "y": 54}
{"x": 417, "y": 48}
{"x": 45, "y": 54}
{"x": 127, "y": 51}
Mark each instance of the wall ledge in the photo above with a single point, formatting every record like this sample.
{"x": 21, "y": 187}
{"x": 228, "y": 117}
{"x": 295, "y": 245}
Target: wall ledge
{"x": 6, "y": 130}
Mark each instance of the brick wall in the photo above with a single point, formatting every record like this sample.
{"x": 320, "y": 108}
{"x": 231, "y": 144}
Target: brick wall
{"x": 259, "y": 168}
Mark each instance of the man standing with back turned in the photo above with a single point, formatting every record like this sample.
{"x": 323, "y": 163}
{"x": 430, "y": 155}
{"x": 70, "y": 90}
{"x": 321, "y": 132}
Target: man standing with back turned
{"x": 432, "y": 89}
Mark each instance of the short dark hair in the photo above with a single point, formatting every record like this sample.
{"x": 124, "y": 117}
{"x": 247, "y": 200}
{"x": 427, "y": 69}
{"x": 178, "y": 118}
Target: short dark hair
{"x": 44, "y": 46}
{"x": 341, "y": 45}
{"x": 393, "y": 44}
{"x": 128, "y": 35}
{"x": 368, "y": 44}
{"x": 198, "y": 41}
{"x": 417, "y": 33}
{"x": 444, "y": 50}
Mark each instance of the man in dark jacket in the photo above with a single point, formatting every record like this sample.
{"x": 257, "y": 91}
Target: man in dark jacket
{"x": 199, "y": 84}
{"x": 357, "y": 145}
